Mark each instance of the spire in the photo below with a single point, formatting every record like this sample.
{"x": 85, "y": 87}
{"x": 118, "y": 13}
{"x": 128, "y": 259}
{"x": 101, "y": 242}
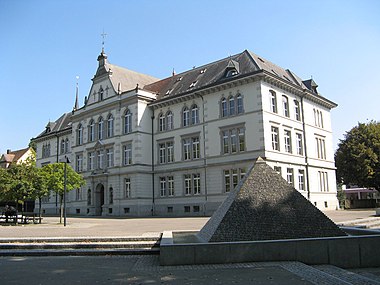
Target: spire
{"x": 76, "y": 104}
{"x": 102, "y": 58}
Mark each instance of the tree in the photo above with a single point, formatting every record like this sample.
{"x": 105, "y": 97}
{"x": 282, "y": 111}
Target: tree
{"x": 358, "y": 156}
{"x": 54, "y": 176}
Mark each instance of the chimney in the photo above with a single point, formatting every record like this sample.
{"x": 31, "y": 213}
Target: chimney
{"x": 8, "y": 151}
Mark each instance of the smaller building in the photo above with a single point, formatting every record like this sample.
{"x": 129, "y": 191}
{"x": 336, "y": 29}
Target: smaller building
{"x": 15, "y": 157}
{"x": 357, "y": 197}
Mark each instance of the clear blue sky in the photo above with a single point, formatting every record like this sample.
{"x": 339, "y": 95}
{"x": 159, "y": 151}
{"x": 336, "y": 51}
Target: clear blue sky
{"x": 46, "y": 44}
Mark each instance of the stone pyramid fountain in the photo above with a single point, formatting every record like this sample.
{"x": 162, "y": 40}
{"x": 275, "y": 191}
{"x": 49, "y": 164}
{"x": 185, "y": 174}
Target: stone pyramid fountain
{"x": 265, "y": 207}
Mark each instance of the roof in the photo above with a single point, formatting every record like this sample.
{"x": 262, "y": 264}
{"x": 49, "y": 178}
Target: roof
{"x": 14, "y": 156}
{"x": 122, "y": 79}
{"x": 213, "y": 73}
{"x": 265, "y": 207}
{"x": 62, "y": 123}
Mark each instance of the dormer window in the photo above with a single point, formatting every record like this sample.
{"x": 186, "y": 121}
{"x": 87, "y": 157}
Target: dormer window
{"x": 193, "y": 84}
{"x": 231, "y": 72}
{"x": 101, "y": 94}
{"x": 203, "y": 70}
{"x": 179, "y": 78}
{"x": 168, "y": 92}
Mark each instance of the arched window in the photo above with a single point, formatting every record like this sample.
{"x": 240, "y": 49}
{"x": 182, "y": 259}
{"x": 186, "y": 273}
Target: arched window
{"x": 161, "y": 122}
{"x": 110, "y": 126}
{"x": 67, "y": 145}
{"x": 111, "y": 196}
{"x": 194, "y": 115}
{"x": 285, "y": 106}
{"x": 169, "y": 120}
{"x": 240, "y": 107}
{"x": 273, "y": 101}
{"x": 101, "y": 94}
{"x": 79, "y": 134}
{"x": 127, "y": 122}
{"x": 231, "y": 105}
{"x": 186, "y": 117}
{"x": 62, "y": 146}
{"x": 100, "y": 128}
{"x": 223, "y": 103}
{"x": 91, "y": 131}
{"x": 297, "y": 111}
{"x": 89, "y": 197}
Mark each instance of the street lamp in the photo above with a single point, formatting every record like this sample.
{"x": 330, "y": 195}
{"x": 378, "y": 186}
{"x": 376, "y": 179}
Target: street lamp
{"x": 67, "y": 160}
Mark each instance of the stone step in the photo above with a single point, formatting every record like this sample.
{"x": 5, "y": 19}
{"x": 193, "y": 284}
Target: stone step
{"x": 345, "y": 276}
{"x": 79, "y": 246}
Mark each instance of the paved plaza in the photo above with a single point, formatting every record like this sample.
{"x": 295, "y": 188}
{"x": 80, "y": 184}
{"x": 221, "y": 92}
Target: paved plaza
{"x": 146, "y": 270}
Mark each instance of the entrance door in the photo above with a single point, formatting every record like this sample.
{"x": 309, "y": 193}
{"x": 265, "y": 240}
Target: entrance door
{"x": 99, "y": 199}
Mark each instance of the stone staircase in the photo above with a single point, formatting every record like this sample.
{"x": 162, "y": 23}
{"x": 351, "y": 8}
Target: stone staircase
{"x": 80, "y": 246}
{"x": 367, "y": 223}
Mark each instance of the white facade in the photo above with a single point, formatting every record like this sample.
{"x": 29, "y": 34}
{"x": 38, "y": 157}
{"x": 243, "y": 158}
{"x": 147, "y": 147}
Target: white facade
{"x": 201, "y": 138}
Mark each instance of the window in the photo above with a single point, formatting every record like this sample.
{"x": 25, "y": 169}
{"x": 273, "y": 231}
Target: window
{"x": 299, "y": 144}
{"x": 62, "y": 146}
{"x": 100, "y": 128}
{"x": 67, "y": 145}
{"x": 79, "y": 134}
{"x": 320, "y": 147}
{"x": 192, "y": 84}
{"x": 240, "y": 107}
{"x": 91, "y": 161}
{"x": 288, "y": 141}
{"x": 277, "y": 169}
{"x": 187, "y": 209}
{"x": 127, "y": 187}
{"x": 161, "y": 122}
{"x": 297, "y": 111}
{"x": 318, "y": 118}
{"x": 110, "y": 126}
{"x": 285, "y": 106}
{"x": 111, "y": 196}
{"x": 233, "y": 140}
{"x": 190, "y": 148}
{"x": 127, "y": 154}
{"x": 78, "y": 194}
{"x": 100, "y": 159}
{"x": 169, "y": 120}
{"x": 289, "y": 176}
{"x": 188, "y": 184}
{"x": 231, "y": 105}
{"x": 170, "y": 209}
{"x": 127, "y": 122}
{"x": 166, "y": 152}
{"x": 196, "y": 209}
{"x": 232, "y": 178}
{"x": 79, "y": 163}
{"x": 185, "y": 117}
{"x": 197, "y": 184}
{"x": 323, "y": 181}
{"x": 275, "y": 139}
{"x": 224, "y": 107}
{"x": 194, "y": 115}
{"x": 89, "y": 197}
{"x": 273, "y": 101}
{"x": 101, "y": 94}
{"x": 91, "y": 131}
{"x": 170, "y": 181}
{"x": 109, "y": 153}
{"x": 301, "y": 179}
{"x": 163, "y": 186}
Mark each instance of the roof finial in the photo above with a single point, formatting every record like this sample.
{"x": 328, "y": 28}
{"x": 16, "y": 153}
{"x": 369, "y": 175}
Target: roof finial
{"x": 76, "y": 104}
{"x": 104, "y": 37}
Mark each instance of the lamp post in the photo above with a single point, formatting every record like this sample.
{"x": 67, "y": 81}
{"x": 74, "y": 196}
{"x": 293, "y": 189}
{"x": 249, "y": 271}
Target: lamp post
{"x": 64, "y": 190}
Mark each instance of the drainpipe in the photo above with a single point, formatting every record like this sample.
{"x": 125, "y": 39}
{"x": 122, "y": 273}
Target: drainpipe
{"x": 152, "y": 135}
{"x": 305, "y": 148}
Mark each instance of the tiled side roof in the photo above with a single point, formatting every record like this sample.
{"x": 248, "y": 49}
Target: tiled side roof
{"x": 213, "y": 73}
{"x": 265, "y": 207}
{"x": 14, "y": 156}
{"x": 62, "y": 123}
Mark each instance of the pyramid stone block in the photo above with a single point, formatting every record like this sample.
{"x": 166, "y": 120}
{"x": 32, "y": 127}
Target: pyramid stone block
{"x": 265, "y": 207}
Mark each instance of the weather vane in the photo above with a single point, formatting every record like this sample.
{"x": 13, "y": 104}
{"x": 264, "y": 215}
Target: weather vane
{"x": 104, "y": 37}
